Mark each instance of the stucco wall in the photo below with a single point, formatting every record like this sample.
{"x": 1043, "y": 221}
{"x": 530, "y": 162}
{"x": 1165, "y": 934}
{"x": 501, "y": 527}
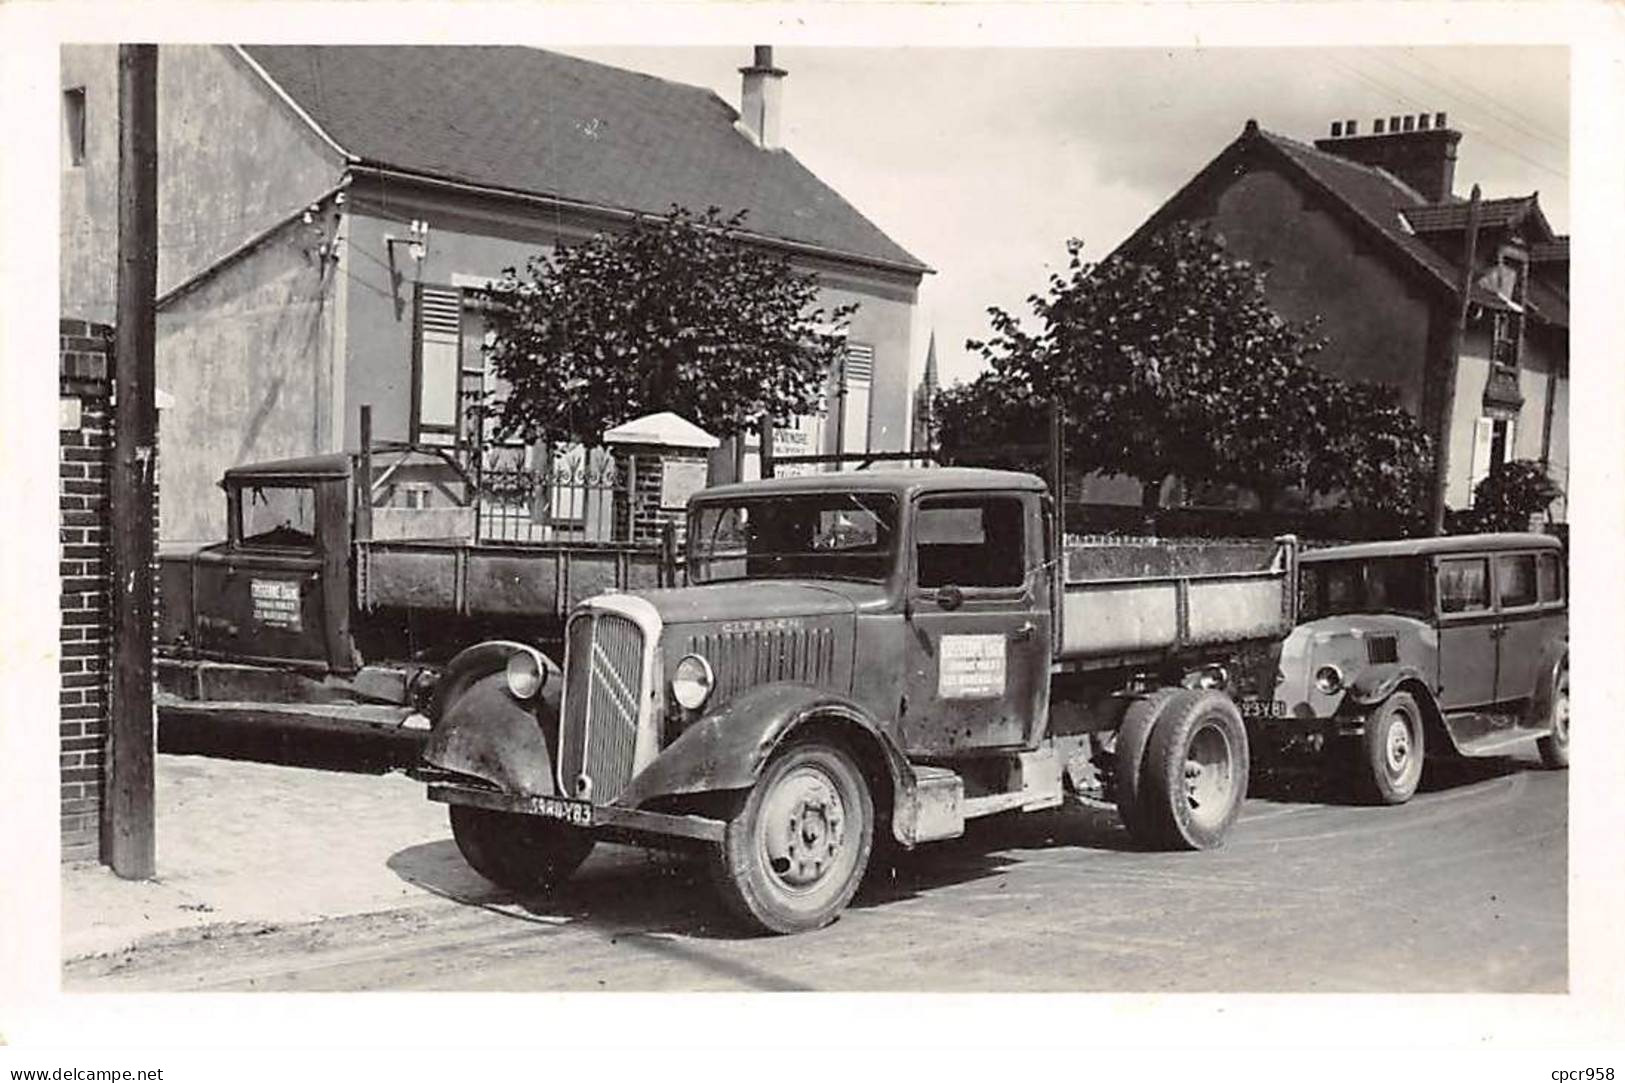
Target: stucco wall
{"x": 480, "y": 243}
{"x": 218, "y": 183}
{"x": 1375, "y": 324}
{"x": 243, "y": 359}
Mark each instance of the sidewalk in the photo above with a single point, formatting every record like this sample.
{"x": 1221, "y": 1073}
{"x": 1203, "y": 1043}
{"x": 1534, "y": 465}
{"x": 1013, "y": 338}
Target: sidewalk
{"x": 242, "y": 842}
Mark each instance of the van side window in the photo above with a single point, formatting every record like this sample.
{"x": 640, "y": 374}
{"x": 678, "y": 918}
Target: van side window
{"x": 1464, "y": 585}
{"x": 1551, "y": 583}
{"x": 1515, "y": 573}
{"x": 966, "y": 541}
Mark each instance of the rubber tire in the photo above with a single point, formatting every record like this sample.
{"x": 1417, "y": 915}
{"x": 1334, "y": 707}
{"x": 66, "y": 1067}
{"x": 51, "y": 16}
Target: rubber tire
{"x": 1133, "y": 735}
{"x": 524, "y": 854}
{"x": 738, "y": 867}
{"x": 1376, "y": 784}
{"x": 1169, "y": 819}
{"x": 1554, "y": 749}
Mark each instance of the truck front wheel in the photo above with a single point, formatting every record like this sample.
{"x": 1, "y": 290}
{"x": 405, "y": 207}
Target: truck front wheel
{"x": 1393, "y": 747}
{"x": 796, "y": 851}
{"x": 1194, "y": 778}
{"x": 518, "y": 852}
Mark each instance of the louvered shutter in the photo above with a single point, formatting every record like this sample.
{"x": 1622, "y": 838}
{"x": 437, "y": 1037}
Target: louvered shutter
{"x": 439, "y": 375}
{"x": 858, "y": 380}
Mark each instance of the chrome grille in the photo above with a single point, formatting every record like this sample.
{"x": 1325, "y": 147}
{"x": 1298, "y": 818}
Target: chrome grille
{"x": 743, "y": 660}
{"x": 603, "y": 691}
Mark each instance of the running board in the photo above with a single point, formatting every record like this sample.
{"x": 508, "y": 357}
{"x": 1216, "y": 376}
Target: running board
{"x": 1493, "y": 743}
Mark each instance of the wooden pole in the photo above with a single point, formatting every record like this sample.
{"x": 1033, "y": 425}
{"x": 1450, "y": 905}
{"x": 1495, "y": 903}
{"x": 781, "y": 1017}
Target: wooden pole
{"x": 1447, "y": 400}
{"x": 131, "y": 833}
{"x": 764, "y": 441}
{"x": 363, "y": 487}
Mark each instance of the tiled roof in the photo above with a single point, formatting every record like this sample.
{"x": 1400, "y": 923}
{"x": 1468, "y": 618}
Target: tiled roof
{"x": 1492, "y": 214}
{"x": 539, "y": 123}
{"x": 1553, "y": 251}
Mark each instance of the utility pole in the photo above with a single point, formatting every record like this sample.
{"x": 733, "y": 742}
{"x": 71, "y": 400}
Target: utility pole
{"x": 1447, "y": 399}
{"x": 130, "y": 833}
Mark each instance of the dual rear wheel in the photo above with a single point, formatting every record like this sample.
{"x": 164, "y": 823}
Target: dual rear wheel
{"x": 1182, "y": 768}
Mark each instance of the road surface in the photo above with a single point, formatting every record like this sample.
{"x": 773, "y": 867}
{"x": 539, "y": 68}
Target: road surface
{"x": 1463, "y": 889}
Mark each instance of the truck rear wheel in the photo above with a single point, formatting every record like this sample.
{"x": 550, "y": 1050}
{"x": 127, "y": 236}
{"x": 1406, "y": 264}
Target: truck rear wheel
{"x": 1194, "y": 778}
{"x": 1554, "y": 748}
{"x": 1133, "y": 736}
{"x": 1393, "y": 751}
{"x": 793, "y": 856}
{"x": 518, "y": 852}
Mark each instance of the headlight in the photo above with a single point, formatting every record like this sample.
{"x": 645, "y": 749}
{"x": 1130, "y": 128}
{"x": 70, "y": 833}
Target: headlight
{"x": 691, "y": 684}
{"x": 525, "y": 674}
{"x": 1329, "y": 679}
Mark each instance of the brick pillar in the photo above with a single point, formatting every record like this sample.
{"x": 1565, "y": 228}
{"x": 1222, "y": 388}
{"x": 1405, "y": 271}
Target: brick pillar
{"x": 654, "y": 483}
{"x": 85, "y": 449}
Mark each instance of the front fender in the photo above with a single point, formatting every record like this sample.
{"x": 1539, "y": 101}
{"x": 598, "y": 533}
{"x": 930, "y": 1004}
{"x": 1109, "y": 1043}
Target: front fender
{"x": 727, "y": 749}
{"x": 480, "y": 729}
{"x": 1377, "y": 683}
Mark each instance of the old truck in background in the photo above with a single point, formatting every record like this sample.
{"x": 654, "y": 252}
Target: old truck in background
{"x": 860, "y": 659}
{"x": 316, "y": 600}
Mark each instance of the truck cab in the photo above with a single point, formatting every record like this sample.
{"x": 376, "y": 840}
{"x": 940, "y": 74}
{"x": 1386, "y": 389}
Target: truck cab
{"x": 851, "y": 654}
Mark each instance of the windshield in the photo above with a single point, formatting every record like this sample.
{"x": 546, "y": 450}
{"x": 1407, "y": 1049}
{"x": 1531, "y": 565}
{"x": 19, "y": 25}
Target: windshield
{"x": 1375, "y": 585}
{"x": 814, "y": 535}
{"x": 281, "y": 516}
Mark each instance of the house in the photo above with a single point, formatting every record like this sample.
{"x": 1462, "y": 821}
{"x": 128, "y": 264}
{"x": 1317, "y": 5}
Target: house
{"x": 1366, "y": 232}
{"x": 331, "y": 216}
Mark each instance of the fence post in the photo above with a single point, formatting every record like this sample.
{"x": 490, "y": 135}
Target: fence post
{"x": 764, "y": 440}
{"x": 363, "y": 507}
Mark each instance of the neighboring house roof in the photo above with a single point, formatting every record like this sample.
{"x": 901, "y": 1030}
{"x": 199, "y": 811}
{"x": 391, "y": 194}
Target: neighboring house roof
{"x": 539, "y": 123}
{"x": 1492, "y": 214}
{"x": 1373, "y": 200}
{"x": 1554, "y": 251}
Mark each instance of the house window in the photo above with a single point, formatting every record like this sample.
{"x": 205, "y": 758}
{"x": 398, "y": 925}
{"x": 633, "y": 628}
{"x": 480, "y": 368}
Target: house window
{"x": 73, "y": 126}
{"x": 437, "y": 379}
{"x": 857, "y": 380}
{"x": 1492, "y": 447}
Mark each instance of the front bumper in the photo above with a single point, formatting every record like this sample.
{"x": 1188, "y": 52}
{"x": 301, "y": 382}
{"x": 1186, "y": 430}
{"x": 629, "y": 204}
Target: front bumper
{"x": 604, "y": 819}
{"x": 1300, "y": 734}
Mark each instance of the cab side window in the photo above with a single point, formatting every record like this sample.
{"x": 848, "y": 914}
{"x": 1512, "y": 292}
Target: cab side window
{"x": 1549, "y": 578}
{"x": 1515, "y": 576}
{"x": 1464, "y": 585}
{"x": 970, "y": 542}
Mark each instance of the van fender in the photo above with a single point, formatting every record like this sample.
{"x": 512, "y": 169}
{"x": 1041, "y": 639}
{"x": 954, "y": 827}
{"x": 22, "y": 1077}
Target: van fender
{"x": 1377, "y": 683}
{"x": 728, "y": 748}
{"x": 480, "y": 729}
{"x": 1554, "y": 659}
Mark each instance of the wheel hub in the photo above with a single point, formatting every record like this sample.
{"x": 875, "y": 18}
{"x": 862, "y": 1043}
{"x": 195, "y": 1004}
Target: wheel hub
{"x": 805, "y": 828}
{"x": 1209, "y": 775}
{"x": 1397, "y": 747}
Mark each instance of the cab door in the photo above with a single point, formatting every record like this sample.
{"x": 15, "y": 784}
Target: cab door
{"x": 1468, "y": 633}
{"x": 977, "y": 642}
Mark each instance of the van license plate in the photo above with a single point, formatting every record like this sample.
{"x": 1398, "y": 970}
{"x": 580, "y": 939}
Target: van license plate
{"x": 1263, "y": 708}
{"x": 562, "y": 808}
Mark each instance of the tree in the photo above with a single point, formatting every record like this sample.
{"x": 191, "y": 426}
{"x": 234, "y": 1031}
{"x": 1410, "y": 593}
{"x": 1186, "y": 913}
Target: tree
{"x": 1171, "y": 362}
{"x": 1512, "y": 494}
{"x": 991, "y": 412}
{"x": 678, "y": 313}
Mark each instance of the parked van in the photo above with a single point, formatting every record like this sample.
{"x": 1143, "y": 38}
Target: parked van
{"x": 1421, "y": 647}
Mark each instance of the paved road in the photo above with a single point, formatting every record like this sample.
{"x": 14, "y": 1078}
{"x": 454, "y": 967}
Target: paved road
{"x": 1463, "y": 889}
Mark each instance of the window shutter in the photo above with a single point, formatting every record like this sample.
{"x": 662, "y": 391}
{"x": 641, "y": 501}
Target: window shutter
{"x": 439, "y": 375}
{"x": 1479, "y": 468}
{"x": 858, "y": 379}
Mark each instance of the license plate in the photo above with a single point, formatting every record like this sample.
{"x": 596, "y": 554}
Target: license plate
{"x": 1263, "y": 708}
{"x": 562, "y": 808}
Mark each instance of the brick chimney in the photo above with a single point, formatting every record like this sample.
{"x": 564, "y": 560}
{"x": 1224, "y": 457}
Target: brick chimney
{"x": 1419, "y": 149}
{"x": 759, "y": 98}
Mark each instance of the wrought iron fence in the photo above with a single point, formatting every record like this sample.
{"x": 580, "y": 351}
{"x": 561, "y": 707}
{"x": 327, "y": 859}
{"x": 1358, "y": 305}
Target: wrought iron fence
{"x": 567, "y": 494}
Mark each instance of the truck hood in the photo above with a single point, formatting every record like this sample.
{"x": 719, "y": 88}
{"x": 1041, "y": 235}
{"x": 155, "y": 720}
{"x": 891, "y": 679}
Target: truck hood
{"x": 762, "y": 600}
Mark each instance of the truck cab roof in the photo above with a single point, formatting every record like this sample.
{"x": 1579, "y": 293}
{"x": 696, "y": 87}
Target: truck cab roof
{"x": 904, "y": 483}
{"x": 308, "y": 468}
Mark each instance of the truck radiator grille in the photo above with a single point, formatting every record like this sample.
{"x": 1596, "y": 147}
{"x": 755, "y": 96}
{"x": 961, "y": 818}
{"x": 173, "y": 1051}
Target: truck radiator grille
{"x": 742, "y": 660}
{"x": 602, "y": 694}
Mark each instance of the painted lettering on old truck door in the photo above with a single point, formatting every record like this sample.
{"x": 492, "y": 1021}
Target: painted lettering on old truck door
{"x": 276, "y": 603}
{"x": 971, "y": 667}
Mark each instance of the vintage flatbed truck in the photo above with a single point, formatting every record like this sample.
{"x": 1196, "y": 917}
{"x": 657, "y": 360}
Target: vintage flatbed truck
{"x": 318, "y": 606}
{"x": 861, "y": 659}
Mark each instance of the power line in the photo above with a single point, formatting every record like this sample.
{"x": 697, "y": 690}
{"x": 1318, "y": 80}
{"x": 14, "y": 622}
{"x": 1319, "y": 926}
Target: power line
{"x": 1489, "y": 103}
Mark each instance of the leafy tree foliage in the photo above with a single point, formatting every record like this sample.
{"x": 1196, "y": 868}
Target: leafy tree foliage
{"x": 678, "y": 313}
{"x": 1508, "y": 498}
{"x": 1172, "y": 363}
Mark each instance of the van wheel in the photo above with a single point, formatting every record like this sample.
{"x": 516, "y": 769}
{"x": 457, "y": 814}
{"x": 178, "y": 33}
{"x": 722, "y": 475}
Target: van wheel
{"x": 1195, "y": 772}
{"x": 793, "y": 856}
{"x": 521, "y": 853}
{"x": 1133, "y": 735}
{"x": 1394, "y": 748}
{"x": 1554, "y": 749}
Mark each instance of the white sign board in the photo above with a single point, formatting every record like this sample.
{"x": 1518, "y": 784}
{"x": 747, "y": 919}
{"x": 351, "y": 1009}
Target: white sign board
{"x": 971, "y": 667}
{"x": 681, "y": 479}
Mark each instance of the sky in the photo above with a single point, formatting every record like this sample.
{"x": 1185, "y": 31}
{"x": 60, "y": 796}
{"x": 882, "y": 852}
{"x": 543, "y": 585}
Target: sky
{"x": 983, "y": 162}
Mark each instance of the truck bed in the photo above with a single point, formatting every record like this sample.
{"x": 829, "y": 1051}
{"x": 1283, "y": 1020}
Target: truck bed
{"x": 1138, "y": 599}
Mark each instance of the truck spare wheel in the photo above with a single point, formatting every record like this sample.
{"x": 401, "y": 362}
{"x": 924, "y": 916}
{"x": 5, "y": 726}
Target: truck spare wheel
{"x": 1194, "y": 776}
{"x": 795, "y": 852}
